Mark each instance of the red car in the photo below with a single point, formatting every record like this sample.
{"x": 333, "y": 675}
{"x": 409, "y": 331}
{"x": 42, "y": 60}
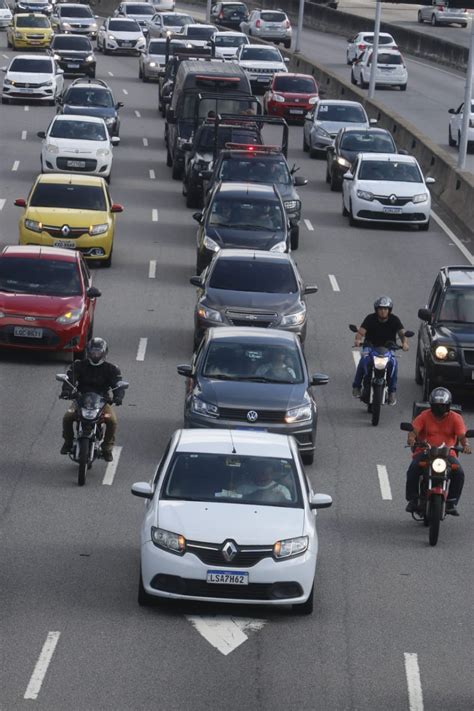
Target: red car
{"x": 291, "y": 96}
{"x": 47, "y": 300}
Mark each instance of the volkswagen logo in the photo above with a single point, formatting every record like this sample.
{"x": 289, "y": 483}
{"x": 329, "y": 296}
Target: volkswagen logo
{"x": 65, "y": 230}
{"x": 27, "y": 86}
{"x": 252, "y": 416}
{"x": 393, "y": 199}
{"x": 229, "y": 551}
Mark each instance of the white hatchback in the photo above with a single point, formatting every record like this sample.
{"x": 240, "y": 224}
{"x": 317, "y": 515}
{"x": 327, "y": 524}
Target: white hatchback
{"x": 455, "y": 127}
{"x": 386, "y": 187}
{"x": 357, "y": 44}
{"x": 230, "y": 516}
{"x": 390, "y": 71}
{"x": 120, "y": 35}
{"x": 77, "y": 144}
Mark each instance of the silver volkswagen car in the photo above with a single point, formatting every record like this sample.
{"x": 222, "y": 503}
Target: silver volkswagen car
{"x": 323, "y": 122}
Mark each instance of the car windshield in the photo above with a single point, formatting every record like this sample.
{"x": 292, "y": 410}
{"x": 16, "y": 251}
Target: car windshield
{"x": 341, "y": 112}
{"x": 255, "y": 170}
{"x": 139, "y": 10}
{"x": 387, "y": 58}
{"x": 32, "y": 21}
{"x": 33, "y": 66}
{"x": 39, "y": 276}
{"x": 225, "y": 134}
{"x": 79, "y": 44}
{"x": 254, "y": 275}
{"x": 89, "y": 96}
{"x": 390, "y": 170}
{"x": 273, "y": 16}
{"x": 124, "y": 26}
{"x": 272, "y": 363}
{"x": 297, "y": 85}
{"x": 78, "y": 130}
{"x": 232, "y": 41}
{"x": 157, "y": 47}
{"x": 458, "y": 306}
{"x": 232, "y": 479}
{"x": 177, "y": 20}
{"x": 246, "y": 214}
{"x": 200, "y": 32}
{"x": 82, "y": 11}
{"x": 69, "y": 196}
{"x": 261, "y": 54}
{"x": 367, "y": 142}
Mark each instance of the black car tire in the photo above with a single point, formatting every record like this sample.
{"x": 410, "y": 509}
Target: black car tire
{"x": 420, "y": 19}
{"x": 193, "y": 198}
{"x": 403, "y": 87}
{"x": 344, "y": 211}
{"x": 426, "y": 385}
{"x": 5, "y": 100}
{"x": 107, "y": 263}
{"x": 200, "y": 266}
{"x": 328, "y": 174}
{"x": 305, "y": 144}
{"x": 169, "y": 159}
{"x": 177, "y": 171}
{"x": 305, "y": 608}
{"x": 353, "y": 80}
{"x": 434, "y": 21}
{"x": 313, "y": 152}
{"x": 140, "y": 72}
{"x": 470, "y": 147}
{"x": 295, "y": 237}
{"x": 352, "y": 220}
{"x": 451, "y": 140}
{"x": 287, "y": 44}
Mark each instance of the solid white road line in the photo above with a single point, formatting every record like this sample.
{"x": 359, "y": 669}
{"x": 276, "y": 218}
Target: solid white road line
{"x": 152, "y": 174}
{"x": 309, "y": 226}
{"x": 154, "y": 215}
{"x": 137, "y": 114}
{"x": 225, "y": 633}
{"x": 464, "y": 250}
{"x": 142, "y": 348}
{"x": 109, "y": 475}
{"x": 384, "y": 482}
{"x": 2, "y": 203}
{"x": 15, "y": 165}
{"x": 26, "y": 108}
{"x": 145, "y": 142}
{"x": 152, "y": 269}
{"x": 41, "y": 667}
{"x": 356, "y": 356}
{"x": 125, "y": 92}
{"x": 334, "y": 284}
{"x": 415, "y": 692}
{"x": 24, "y": 135}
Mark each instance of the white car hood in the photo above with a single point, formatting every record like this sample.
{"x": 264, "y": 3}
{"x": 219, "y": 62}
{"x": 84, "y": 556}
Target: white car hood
{"x": 125, "y": 35}
{"x": 251, "y": 524}
{"x": 73, "y": 146}
{"x": 29, "y": 77}
{"x": 259, "y": 64}
{"x": 385, "y": 187}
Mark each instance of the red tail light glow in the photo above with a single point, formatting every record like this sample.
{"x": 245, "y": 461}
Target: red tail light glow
{"x": 258, "y": 23}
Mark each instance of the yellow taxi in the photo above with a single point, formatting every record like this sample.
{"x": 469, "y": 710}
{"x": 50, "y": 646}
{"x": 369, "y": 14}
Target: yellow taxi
{"x": 29, "y": 30}
{"x": 72, "y": 212}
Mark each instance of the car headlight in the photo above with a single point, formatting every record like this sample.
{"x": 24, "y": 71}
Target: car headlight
{"x": 47, "y": 83}
{"x": 141, "y": 41}
{"x": 93, "y": 26}
{"x": 168, "y": 541}
{"x": 152, "y": 64}
{"x": 103, "y": 152}
{"x": 343, "y": 161}
{"x": 312, "y": 100}
{"x": 439, "y": 465}
{"x": 111, "y": 37}
{"x": 365, "y": 195}
{"x": 422, "y": 197}
{"x": 294, "y": 319}
{"x": 290, "y": 547}
{"x": 292, "y": 204}
{"x": 201, "y": 407}
{"x": 66, "y": 26}
{"x": 98, "y": 229}
{"x": 57, "y": 57}
{"x": 90, "y": 58}
{"x": 322, "y": 131}
{"x": 278, "y": 98}
{"x": 9, "y": 82}
{"x": 109, "y": 121}
{"x": 208, "y": 314}
{"x": 181, "y": 141}
{"x": 72, "y": 316}
{"x": 18, "y": 35}
{"x": 279, "y": 247}
{"x": 52, "y": 148}
{"x": 444, "y": 353}
{"x": 34, "y": 225}
{"x": 210, "y": 244}
{"x": 298, "y": 414}
{"x": 2, "y": 315}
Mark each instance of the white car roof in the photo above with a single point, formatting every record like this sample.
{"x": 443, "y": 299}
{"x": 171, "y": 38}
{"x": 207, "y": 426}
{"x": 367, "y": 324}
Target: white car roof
{"x": 230, "y": 34}
{"x": 339, "y": 102}
{"x": 257, "y": 444}
{"x": 79, "y": 117}
{"x": 389, "y": 157}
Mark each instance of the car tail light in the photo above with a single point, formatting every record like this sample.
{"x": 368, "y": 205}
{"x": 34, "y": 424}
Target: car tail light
{"x": 441, "y": 8}
{"x": 287, "y": 24}
{"x": 361, "y": 46}
{"x": 258, "y": 23}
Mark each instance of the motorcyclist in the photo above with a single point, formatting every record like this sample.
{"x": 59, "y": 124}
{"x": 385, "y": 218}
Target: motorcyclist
{"x": 437, "y": 426}
{"x": 93, "y": 374}
{"x": 377, "y": 329}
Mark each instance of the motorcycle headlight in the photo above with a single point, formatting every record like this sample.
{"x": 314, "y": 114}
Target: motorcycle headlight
{"x": 98, "y": 229}
{"x": 88, "y": 414}
{"x": 343, "y": 161}
{"x": 103, "y": 152}
{"x": 168, "y": 541}
{"x": 210, "y": 244}
{"x": 422, "y": 197}
{"x": 380, "y": 362}
{"x": 291, "y": 204}
{"x": 34, "y": 226}
{"x": 52, "y": 148}
{"x": 279, "y": 247}
{"x": 290, "y": 547}
{"x": 438, "y": 465}
{"x": 278, "y": 98}
{"x": 72, "y": 316}
{"x": 201, "y": 407}
{"x": 294, "y": 319}
{"x": 209, "y": 314}
{"x": 152, "y": 64}
{"x": 365, "y": 195}
{"x": 298, "y": 414}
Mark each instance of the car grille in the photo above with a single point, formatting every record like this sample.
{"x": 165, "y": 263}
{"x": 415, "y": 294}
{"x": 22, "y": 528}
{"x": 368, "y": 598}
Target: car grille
{"x": 243, "y": 318}
{"x": 89, "y": 164}
{"x": 234, "y": 413}
{"x": 35, "y": 37}
{"x": 200, "y": 588}
{"x": 383, "y": 216}
{"x": 259, "y": 70}
{"x": 29, "y": 85}
{"x": 398, "y": 202}
{"x": 77, "y": 26}
{"x": 7, "y": 338}
{"x": 211, "y": 554}
{"x": 469, "y": 357}
{"x": 129, "y": 43}
{"x": 56, "y": 231}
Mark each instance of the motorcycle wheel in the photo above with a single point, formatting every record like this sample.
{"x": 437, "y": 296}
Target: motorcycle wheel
{"x": 83, "y": 458}
{"x": 376, "y": 404}
{"x": 436, "y": 505}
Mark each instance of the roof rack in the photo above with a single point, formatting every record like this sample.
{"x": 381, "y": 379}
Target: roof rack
{"x": 89, "y": 80}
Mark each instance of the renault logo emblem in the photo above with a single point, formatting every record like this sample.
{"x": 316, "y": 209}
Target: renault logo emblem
{"x": 229, "y": 551}
{"x": 65, "y": 230}
{"x": 252, "y": 416}
{"x": 393, "y": 199}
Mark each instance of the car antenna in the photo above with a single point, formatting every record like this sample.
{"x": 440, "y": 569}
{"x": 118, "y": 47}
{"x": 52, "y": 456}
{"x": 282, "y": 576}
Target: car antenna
{"x": 234, "y": 451}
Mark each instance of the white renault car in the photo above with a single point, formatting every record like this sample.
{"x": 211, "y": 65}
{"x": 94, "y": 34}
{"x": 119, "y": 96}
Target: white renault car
{"x": 77, "y": 143}
{"x": 230, "y": 516}
{"x": 455, "y": 127}
{"x": 32, "y": 76}
{"x": 386, "y": 187}
{"x": 390, "y": 71}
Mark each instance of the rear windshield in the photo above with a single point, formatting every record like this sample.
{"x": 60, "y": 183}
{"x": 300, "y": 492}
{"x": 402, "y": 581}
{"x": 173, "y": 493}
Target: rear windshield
{"x": 78, "y": 130}
{"x": 335, "y": 112}
{"x": 32, "y": 21}
{"x": 386, "y": 58}
{"x": 225, "y": 134}
{"x": 369, "y": 39}
{"x": 234, "y": 9}
{"x": 273, "y": 16}
{"x": 253, "y": 275}
{"x": 367, "y": 143}
{"x": 3, "y": 5}
{"x": 75, "y": 11}
{"x": 74, "y": 43}
{"x": 220, "y": 106}
{"x": 261, "y": 54}
{"x": 88, "y": 96}
{"x": 38, "y": 66}
{"x": 157, "y": 47}
{"x": 390, "y": 170}
{"x": 200, "y": 32}
{"x": 50, "y": 277}
{"x": 177, "y": 20}
{"x": 229, "y": 41}
{"x": 255, "y": 170}
{"x": 75, "y": 197}
{"x": 124, "y": 26}
{"x": 139, "y": 10}
{"x": 302, "y": 85}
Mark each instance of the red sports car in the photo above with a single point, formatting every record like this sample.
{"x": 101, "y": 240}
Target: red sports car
{"x": 291, "y": 96}
{"x": 47, "y": 300}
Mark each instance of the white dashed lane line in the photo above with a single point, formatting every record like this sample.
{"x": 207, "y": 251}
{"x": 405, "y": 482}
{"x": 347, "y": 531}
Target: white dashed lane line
{"x": 384, "y": 482}
{"x": 334, "y": 284}
{"x": 15, "y": 165}
{"x": 2, "y": 203}
{"x": 110, "y": 74}
{"x": 415, "y": 692}
{"x": 125, "y": 92}
{"x": 24, "y": 135}
{"x": 464, "y": 250}
{"x": 152, "y": 174}
{"x": 142, "y": 349}
{"x": 109, "y": 475}
{"x": 154, "y": 215}
{"x": 42, "y": 665}
{"x": 137, "y": 114}
{"x": 145, "y": 142}
{"x": 26, "y": 108}
{"x": 152, "y": 269}
{"x": 309, "y": 226}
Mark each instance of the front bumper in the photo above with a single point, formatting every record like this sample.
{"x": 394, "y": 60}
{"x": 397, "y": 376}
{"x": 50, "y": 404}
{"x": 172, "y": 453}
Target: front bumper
{"x": 272, "y": 35}
{"x": 55, "y": 337}
{"x": 112, "y": 46}
{"x": 69, "y": 66}
{"x": 53, "y": 163}
{"x": 92, "y": 247}
{"x": 202, "y": 325}
{"x": 320, "y": 142}
{"x": 453, "y": 373}
{"x": 374, "y": 211}
{"x": 293, "y": 112}
{"x": 25, "y": 43}
{"x": 45, "y": 93}
{"x": 92, "y": 34}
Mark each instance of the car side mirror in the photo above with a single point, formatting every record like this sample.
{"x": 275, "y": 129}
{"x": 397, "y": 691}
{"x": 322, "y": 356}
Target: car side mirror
{"x": 142, "y": 489}
{"x": 320, "y": 501}
{"x": 403, "y": 152}
{"x": 319, "y": 379}
{"x": 115, "y": 140}
{"x": 198, "y": 217}
{"x": 119, "y": 105}
{"x": 93, "y": 292}
{"x": 430, "y": 181}
{"x": 409, "y": 334}
{"x": 353, "y": 328}
{"x": 4, "y": 69}
{"x": 196, "y": 281}
{"x": 406, "y": 426}
{"x": 286, "y": 60}
{"x": 41, "y": 134}
{"x": 373, "y": 121}
{"x": 425, "y": 315}
{"x": 299, "y": 181}
{"x": 348, "y": 176}
{"x": 116, "y": 208}
{"x": 185, "y": 370}
{"x": 310, "y": 289}
{"x": 20, "y": 202}
{"x": 451, "y": 111}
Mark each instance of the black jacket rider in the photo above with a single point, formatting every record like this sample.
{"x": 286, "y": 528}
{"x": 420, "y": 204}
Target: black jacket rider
{"x": 89, "y": 378}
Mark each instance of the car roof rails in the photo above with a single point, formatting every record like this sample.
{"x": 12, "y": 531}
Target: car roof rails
{"x": 89, "y": 80}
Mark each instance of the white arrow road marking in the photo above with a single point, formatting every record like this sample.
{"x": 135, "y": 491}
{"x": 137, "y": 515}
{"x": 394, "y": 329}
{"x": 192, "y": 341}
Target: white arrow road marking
{"x": 110, "y": 74}
{"x": 137, "y": 114}
{"x": 154, "y": 215}
{"x": 152, "y": 269}
{"x": 415, "y": 692}
{"x": 334, "y": 284}
{"x": 356, "y": 356}
{"x": 384, "y": 481}
{"x": 42, "y": 665}
{"x": 464, "y": 250}
{"x": 309, "y": 226}
{"x": 15, "y": 165}
{"x": 23, "y": 135}
{"x": 225, "y": 633}
{"x": 5, "y": 56}
{"x": 142, "y": 348}
{"x": 109, "y": 475}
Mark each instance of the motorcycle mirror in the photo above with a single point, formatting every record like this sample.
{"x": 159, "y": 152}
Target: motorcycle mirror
{"x": 142, "y": 489}
{"x": 469, "y": 433}
{"x": 406, "y": 426}
{"x": 61, "y": 377}
{"x": 353, "y": 328}
{"x": 409, "y": 334}
{"x": 319, "y": 379}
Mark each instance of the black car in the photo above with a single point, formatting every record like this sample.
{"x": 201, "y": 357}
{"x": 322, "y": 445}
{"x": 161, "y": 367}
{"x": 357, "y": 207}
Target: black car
{"x": 92, "y": 98}
{"x": 74, "y": 54}
{"x": 242, "y": 287}
{"x": 241, "y": 215}
{"x": 445, "y": 353}
{"x": 263, "y": 165}
{"x": 229, "y": 14}
{"x": 207, "y": 141}
{"x": 347, "y": 146}
{"x": 253, "y": 378}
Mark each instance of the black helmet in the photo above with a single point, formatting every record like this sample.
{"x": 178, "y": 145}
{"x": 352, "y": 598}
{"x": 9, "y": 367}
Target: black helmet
{"x": 440, "y": 401}
{"x": 383, "y": 302}
{"x": 96, "y": 351}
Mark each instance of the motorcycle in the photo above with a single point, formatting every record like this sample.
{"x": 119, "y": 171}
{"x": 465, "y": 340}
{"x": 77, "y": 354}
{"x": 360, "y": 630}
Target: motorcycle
{"x": 89, "y": 425}
{"x": 375, "y": 381}
{"x": 433, "y": 483}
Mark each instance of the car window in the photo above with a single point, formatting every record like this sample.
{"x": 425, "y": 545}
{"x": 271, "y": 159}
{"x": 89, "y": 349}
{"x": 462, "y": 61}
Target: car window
{"x": 139, "y": 9}
{"x": 78, "y": 130}
{"x": 124, "y": 26}
{"x": 303, "y": 85}
{"x": 229, "y": 41}
{"x": 389, "y": 170}
{"x": 39, "y": 276}
{"x": 267, "y": 363}
{"x": 88, "y": 96}
{"x": 75, "y": 11}
{"x": 367, "y": 142}
{"x": 261, "y": 54}
{"x": 248, "y": 214}
{"x": 37, "y": 66}
{"x": 177, "y": 20}
{"x": 341, "y": 112}
{"x": 254, "y": 276}
{"x": 232, "y": 479}
{"x": 200, "y": 32}
{"x": 157, "y": 47}
{"x": 458, "y": 306}
{"x": 385, "y": 40}
{"x": 70, "y": 42}
{"x": 68, "y": 196}
{"x": 32, "y": 21}
{"x": 273, "y": 16}
{"x": 386, "y": 58}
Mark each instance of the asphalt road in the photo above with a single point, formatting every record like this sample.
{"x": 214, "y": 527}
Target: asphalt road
{"x": 391, "y": 613}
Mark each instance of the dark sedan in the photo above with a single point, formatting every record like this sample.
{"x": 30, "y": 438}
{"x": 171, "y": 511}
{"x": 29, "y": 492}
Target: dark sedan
{"x": 347, "y": 146}
{"x": 242, "y": 287}
{"x": 241, "y": 215}
{"x": 92, "y": 97}
{"x": 253, "y": 378}
{"x": 74, "y": 54}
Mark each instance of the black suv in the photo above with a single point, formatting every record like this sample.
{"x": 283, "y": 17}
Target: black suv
{"x": 92, "y": 97}
{"x": 229, "y": 14}
{"x": 445, "y": 353}
{"x": 74, "y": 54}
